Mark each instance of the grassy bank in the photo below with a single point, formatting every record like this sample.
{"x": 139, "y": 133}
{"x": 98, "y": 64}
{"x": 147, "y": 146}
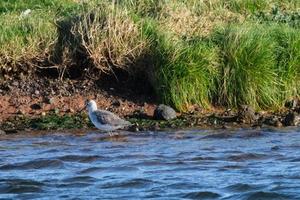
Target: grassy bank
{"x": 193, "y": 53}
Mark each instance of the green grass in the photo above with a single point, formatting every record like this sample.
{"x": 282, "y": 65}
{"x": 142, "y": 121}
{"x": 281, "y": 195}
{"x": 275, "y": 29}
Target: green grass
{"x": 193, "y": 52}
{"x": 185, "y": 74}
{"x": 248, "y": 69}
{"x": 288, "y": 60}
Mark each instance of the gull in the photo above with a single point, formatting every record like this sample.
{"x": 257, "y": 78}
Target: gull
{"x": 105, "y": 120}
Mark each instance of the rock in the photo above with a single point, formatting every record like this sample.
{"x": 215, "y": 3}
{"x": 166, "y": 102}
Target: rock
{"x": 56, "y": 111}
{"x": 155, "y": 127}
{"x": 272, "y": 121}
{"x": 11, "y": 131}
{"x": 36, "y": 106}
{"x": 164, "y": 112}
{"x": 2, "y": 132}
{"x": 49, "y": 100}
{"x": 292, "y": 104}
{"x": 133, "y": 128}
{"x": 20, "y": 112}
{"x": 71, "y": 110}
{"x": 291, "y": 119}
{"x": 247, "y": 115}
{"x": 116, "y": 103}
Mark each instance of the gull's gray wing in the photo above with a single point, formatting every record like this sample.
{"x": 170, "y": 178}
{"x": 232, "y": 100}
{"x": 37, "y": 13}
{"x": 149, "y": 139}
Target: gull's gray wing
{"x": 109, "y": 118}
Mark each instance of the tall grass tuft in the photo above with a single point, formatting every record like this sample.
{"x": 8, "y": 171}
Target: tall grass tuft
{"x": 288, "y": 60}
{"x": 189, "y": 74}
{"x": 105, "y": 36}
{"x": 183, "y": 72}
{"x": 23, "y": 40}
{"x": 248, "y": 68}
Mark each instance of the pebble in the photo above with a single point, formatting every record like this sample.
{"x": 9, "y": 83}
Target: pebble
{"x": 292, "y": 104}
{"x": 36, "y": 106}
{"x": 247, "y": 115}
{"x": 49, "y": 100}
{"x": 291, "y": 119}
{"x": 56, "y": 111}
{"x": 116, "y": 103}
{"x": 164, "y": 112}
{"x": 20, "y": 112}
{"x": 70, "y": 110}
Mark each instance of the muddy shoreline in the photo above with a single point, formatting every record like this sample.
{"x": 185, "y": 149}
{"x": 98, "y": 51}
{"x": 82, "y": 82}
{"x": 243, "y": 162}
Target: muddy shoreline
{"x": 50, "y": 104}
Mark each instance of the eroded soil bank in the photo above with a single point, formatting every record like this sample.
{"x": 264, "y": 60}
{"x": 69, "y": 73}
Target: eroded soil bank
{"x": 45, "y": 103}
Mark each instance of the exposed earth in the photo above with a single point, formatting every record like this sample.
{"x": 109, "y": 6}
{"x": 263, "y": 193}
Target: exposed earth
{"x": 36, "y": 96}
{"x": 25, "y": 103}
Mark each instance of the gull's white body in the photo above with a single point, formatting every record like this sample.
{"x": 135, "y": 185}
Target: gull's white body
{"x": 105, "y": 120}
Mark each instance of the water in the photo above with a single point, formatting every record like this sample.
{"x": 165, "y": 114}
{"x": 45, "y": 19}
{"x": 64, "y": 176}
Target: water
{"x": 198, "y": 164}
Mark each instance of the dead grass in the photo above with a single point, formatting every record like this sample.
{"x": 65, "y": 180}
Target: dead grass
{"x": 111, "y": 39}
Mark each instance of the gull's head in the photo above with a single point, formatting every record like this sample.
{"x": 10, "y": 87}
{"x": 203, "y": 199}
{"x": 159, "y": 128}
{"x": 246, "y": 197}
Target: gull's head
{"x": 91, "y": 105}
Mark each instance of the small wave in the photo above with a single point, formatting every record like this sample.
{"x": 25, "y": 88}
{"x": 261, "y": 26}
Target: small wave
{"x": 223, "y": 135}
{"x": 17, "y": 186}
{"x": 246, "y": 156}
{"x": 202, "y": 195}
{"x": 230, "y": 167}
{"x": 80, "y": 179}
{"x": 92, "y": 170}
{"x": 133, "y": 183}
{"x": 245, "y": 134}
{"x": 241, "y": 187}
{"x": 267, "y": 196}
{"x": 79, "y": 158}
{"x": 77, "y": 182}
{"x": 250, "y": 134}
{"x": 35, "y": 164}
{"x": 202, "y": 158}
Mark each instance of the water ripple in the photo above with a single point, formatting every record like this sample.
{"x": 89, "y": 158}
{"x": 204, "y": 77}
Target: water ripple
{"x": 35, "y": 164}
{"x": 202, "y": 195}
{"x": 226, "y": 165}
{"x": 18, "y": 186}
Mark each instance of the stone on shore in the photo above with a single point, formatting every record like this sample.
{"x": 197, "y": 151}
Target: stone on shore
{"x": 247, "y": 115}
{"x": 164, "y": 112}
{"x": 2, "y": 132}
{"x": 292, "y": 103}
{"x": 292, "y": 119}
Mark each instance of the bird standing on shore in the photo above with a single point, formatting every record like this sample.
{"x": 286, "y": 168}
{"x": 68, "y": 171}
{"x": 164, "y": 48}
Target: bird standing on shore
{"x": 105, "y": 120}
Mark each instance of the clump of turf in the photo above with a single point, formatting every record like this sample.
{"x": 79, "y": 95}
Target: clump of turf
{"x": 288, "y": 60}
{"x": 248, "y": 69}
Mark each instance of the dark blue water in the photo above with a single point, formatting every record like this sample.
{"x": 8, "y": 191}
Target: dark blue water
{"x": 240, "y": 164}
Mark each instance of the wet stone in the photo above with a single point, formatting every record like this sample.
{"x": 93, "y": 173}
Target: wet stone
{"x": 36, "y": 106}
{"x": 247, "y": 115}
{"x": 291, "y": 119}
{"x": 292, "y": 104}
{"x": 20, "y": 112}
{"x": 116, "y": 103}
{"x": 49, "y": 100}
{"x": 70, "y": 110}
{"x": 164, "y": 112}
{"x": 272, "y": 121}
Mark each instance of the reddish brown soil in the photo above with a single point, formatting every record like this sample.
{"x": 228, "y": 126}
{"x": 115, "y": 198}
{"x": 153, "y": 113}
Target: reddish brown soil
{"x": 14, "y": 105}
{"x": 31, "y": 97}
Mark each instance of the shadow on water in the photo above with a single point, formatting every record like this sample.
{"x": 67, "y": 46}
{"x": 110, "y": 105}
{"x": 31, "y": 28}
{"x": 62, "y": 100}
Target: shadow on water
{"x": 186, "y": 164}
